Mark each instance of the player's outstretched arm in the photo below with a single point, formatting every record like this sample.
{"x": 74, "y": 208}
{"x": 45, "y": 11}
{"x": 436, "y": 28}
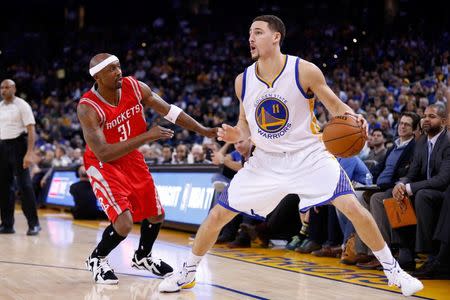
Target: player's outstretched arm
{"x": 94, "y": 137}
{"x": 173, "y": 113}
{"x": 312, "y": 79}
{"x": 233, "y": 134}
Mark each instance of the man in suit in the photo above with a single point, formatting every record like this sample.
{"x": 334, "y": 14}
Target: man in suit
{"x": 426, "y": 181}
{"x": 438, "y": 267}
{"x": 394, "y": 166}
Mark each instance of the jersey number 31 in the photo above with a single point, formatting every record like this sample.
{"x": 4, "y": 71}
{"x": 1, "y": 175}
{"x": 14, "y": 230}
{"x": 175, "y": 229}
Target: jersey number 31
{"x": 125, "y": 131}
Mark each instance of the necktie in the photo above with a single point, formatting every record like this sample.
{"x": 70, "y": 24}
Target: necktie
{"x": 430, "y": 149}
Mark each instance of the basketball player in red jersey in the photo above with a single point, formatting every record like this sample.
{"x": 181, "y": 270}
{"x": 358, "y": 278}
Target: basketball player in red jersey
{"x": 112, "y": 118}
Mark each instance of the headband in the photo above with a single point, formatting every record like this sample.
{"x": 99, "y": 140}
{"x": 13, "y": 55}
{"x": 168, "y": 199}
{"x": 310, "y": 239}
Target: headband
{"x": 100, "y": 66}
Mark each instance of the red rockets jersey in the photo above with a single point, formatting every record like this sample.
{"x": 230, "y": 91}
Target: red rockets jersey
{"x": 121, "y": 122}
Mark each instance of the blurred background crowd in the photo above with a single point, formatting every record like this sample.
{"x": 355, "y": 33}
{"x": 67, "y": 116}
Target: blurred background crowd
{"x": 192, "y": 62}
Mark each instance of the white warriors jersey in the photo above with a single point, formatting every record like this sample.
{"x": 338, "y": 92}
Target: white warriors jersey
{"x": 280, "y": 114}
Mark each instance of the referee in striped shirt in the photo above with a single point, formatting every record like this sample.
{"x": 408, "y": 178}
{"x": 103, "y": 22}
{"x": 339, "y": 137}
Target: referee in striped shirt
{"x": 17, "y": 138}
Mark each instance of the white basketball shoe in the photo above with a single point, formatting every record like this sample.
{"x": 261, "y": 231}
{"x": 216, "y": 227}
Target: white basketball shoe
{"x": 408, "y": 284}
{"x": 185, "y": 279}
{"x": 102, "y": 273}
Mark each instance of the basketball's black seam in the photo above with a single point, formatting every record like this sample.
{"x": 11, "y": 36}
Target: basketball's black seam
{"x": 343, "y": 123}
{"x": 348, "y": 147}
{"x": 340, "y": 153}
{"x": 343, "y": 136}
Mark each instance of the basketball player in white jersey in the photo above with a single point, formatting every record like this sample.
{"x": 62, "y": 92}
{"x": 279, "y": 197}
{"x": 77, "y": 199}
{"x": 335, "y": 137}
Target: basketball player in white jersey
{"x": 276, "y": 110}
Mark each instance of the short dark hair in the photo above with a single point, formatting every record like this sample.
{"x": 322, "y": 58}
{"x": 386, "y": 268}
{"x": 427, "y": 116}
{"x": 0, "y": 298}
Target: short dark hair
{"x": 380, "y": 130}
{"x": 441, "y": 110}
{"x": 415, "y": 118}
{"x": 167, "y": 146}
{"x": 274, "y": 23}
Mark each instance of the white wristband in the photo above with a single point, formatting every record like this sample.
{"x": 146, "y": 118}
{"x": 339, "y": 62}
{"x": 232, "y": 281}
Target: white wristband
{"x": 173, "y": 113}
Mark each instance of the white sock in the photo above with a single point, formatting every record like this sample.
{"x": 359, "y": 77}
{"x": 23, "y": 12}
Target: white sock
{"x": 385, "y": 257}
{"x": 194, "y": 260}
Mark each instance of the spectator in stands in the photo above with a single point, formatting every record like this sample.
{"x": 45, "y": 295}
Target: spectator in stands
{"x": 155, "y": 153}
{"x": 372, "y": 121}
{"x": 235, "y": 159}
{"x": 199, "y": 155}
{"x": 437, "y": 265}
{"x": 426, "y": 181}
{"x": 423, "y": 103}
{"x": 439, "y": 98}
{"x": 390, "y": 102}
{"x": 411, "y": 106}
{"x": 167, "y": 154}
{"x": 84, "y": 198}
{"x": 356, "y": 106}
{"x": 386, "y": 175}
{"x": 402, "y": 100}
{"x": 146, "y": 152}
{"x": 181, "y": 154}
{"x": 386, "y": 114}
{"x": 378, "y": 151}
{"x": 77, "y": 156}
{"x": 61, "y": 159}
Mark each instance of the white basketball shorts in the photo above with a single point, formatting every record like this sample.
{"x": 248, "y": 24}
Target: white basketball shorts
{"x": 267, "y": 178}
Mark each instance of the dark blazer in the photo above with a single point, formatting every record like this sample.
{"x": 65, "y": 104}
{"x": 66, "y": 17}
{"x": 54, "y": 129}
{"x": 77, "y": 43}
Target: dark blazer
{"x": 439, "y": 162}
{"x": 401, "y": 166}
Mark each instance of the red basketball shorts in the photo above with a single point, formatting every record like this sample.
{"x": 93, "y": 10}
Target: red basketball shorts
{"x": 124, "y": 184}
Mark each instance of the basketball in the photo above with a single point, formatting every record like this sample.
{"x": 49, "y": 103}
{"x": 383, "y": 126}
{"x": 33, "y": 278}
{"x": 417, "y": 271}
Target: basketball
{"x": 343, "y": 136}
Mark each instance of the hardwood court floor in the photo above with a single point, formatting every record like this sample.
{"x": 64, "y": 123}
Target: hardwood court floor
{"x": 51, "y": 266}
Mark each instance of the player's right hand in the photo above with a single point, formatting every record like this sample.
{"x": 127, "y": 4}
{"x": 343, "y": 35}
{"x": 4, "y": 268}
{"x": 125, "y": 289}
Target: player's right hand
{"x": 209, "y": 132}
{"x": 158, "y": 132}
{"x": 229, "y": 133}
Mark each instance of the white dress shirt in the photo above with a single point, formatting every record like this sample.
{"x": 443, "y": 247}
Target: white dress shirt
{"x": 14, "y": 117}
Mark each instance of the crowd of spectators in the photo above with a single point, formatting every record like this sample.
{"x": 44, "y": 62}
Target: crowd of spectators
{"x": 378, "y": 77}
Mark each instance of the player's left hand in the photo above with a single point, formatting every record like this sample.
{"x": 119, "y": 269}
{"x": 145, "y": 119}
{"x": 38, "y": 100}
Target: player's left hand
{"x": 361, "y": 121}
